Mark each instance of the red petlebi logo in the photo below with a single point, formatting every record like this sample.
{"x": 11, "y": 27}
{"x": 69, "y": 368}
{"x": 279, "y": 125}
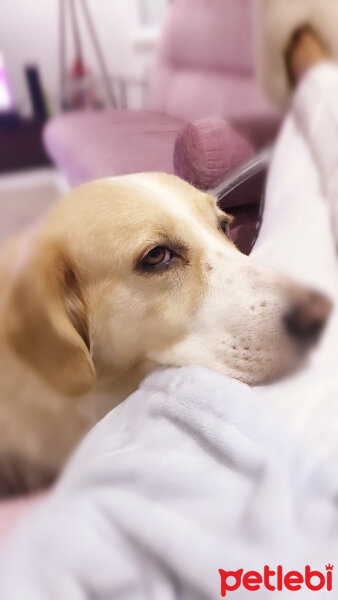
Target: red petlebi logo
{"x": 276, "y": 580}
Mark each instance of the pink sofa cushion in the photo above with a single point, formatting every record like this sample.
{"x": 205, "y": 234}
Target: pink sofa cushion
{"x": 205, "y": 150}
{"x": 193, "y": 94}
{"x": 92, "y": 144}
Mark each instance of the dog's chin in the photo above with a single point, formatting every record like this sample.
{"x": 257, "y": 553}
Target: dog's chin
{"x": 259, "y": 376}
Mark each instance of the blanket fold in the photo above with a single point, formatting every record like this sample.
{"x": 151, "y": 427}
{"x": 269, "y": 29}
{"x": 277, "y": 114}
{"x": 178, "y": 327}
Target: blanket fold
{"x": 191, "y": 474}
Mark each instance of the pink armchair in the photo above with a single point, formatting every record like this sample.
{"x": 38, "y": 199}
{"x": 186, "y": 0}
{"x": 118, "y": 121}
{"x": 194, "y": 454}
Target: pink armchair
{"x": 203, "y": 68}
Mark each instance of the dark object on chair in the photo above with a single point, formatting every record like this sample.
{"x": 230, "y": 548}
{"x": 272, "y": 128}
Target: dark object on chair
{"x": 242, "y": 194}
{"x": 21, "y": 145}
{"x": 38, "y": 100}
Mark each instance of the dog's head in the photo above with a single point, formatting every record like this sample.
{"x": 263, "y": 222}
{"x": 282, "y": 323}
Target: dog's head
{"x": 141, "y": 268}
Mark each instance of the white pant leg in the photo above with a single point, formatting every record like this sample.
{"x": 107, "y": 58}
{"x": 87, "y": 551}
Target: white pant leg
{"x": 296, "y": 237}
{"x": 296, "y": 232}
{"x": 315, "y": 107}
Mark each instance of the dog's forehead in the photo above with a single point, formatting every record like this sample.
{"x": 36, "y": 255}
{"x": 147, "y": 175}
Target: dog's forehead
{"x": 128, "y": 213}
{"x": 166, "y": 195}
{"x": 139, "y": 200}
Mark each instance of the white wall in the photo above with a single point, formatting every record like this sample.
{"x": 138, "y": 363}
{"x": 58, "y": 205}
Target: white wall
{"x": 29, "y": 32}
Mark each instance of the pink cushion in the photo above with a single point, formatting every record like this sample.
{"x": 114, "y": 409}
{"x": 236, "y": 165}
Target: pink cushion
{"x": 189, "y": 94}
{"x": 92, "y": 144}
{"x": 205, "y": 150}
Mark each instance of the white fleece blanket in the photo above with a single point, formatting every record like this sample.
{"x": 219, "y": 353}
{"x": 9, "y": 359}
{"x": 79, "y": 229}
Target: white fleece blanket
{"x": 191, "y": 474}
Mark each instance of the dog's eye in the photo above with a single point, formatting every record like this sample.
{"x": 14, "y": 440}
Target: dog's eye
{"x": 224, "y": 225}
{"x": 157, "y": 257}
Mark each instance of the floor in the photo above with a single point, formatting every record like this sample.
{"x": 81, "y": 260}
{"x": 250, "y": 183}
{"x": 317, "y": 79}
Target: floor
{"x": 26, "y": 195}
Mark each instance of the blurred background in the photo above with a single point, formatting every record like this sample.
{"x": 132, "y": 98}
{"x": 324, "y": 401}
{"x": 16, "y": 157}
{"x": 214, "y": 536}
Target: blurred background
{"x": 93, "y": 88}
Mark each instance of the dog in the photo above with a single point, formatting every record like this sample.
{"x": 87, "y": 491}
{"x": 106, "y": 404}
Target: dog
{"x": 124, "y": 275}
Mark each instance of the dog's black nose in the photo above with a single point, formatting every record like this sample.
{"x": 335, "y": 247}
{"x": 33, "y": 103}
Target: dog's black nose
{"x": 308, "y": 316}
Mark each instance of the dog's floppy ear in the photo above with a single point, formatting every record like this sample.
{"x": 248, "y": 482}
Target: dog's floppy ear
{"x": 47, "y": 322}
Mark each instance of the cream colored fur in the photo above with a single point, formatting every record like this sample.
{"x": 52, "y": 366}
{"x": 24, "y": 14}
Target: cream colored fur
{"x": 276, "y": 21}
{"x": 82, "y": 322}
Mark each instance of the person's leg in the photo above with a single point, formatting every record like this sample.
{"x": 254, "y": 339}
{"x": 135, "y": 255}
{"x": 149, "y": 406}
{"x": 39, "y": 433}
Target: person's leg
{"x": 296, "y": 231}
{"x": 304, "y": 170}
{"x": 296, "y": 237}
{"x": 315, "y": 106}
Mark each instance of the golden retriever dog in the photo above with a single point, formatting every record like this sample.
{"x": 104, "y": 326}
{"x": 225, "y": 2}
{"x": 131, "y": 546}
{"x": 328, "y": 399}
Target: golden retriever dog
{"x": 123, "y": 275}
